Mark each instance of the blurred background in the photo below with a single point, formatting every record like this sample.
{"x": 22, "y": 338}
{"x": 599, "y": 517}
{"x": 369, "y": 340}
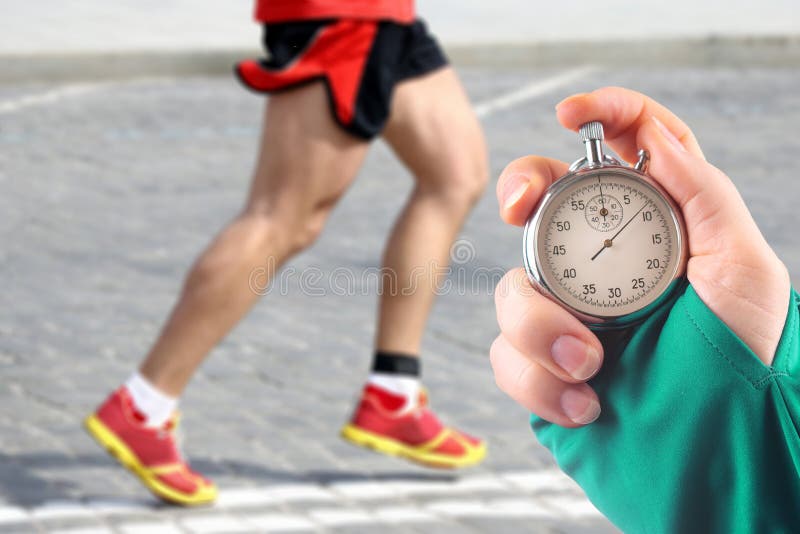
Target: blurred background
{"x": 125, "y": 143}
{"x": 92, "y": 25}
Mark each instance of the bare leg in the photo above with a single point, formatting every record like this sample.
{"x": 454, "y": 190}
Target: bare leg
{"x": 434, "y": 131}
{"x": 306, "y": 163}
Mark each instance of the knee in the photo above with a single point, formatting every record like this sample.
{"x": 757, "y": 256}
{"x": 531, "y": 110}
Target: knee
{"x": 478, "y": 179}
{"x": 251, "y": 240}
{"x": 307, "y": 229}
{"x": 465, "y": 183}
{"x": 286, "y": 232}
{"x": 256, "y": 239}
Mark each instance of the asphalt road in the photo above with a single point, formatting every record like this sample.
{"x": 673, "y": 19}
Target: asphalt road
{"x": 109, "y": 191}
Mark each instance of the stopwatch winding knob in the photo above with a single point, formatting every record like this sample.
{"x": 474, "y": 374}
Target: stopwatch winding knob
{"x": 592, "y": 131}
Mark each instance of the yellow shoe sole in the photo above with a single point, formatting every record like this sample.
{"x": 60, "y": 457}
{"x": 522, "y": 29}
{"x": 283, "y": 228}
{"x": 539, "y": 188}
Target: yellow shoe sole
{"x": 117, "y": 448}
{"x": 419, "y": 454}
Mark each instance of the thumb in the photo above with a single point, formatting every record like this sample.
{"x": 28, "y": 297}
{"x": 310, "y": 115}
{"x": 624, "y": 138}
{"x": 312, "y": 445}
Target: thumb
{"x": 715, "y": 214}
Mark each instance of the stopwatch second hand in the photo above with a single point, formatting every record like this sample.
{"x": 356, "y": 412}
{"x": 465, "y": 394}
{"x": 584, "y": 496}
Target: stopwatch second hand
{"x": 608, "y": 242}
{"x": 602, "y": 199}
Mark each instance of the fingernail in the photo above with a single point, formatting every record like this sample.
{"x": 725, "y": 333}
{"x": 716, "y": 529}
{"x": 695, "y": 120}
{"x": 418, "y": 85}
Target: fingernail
{"x": 514, "y": 188}
{"x": 576, "y": 357}
{"x": 579, "y": 406}
{"x": 669, "y": 135}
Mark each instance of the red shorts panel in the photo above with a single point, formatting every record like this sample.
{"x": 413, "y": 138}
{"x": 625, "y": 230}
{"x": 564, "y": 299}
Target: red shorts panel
{"x": 401, "y": 11}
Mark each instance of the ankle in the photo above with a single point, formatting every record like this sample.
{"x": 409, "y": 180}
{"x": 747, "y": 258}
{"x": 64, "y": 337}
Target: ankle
{"x": 153, "y": 404}
{"x": 398, "y": 375}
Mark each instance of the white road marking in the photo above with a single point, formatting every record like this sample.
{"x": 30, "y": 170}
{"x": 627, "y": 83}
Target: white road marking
{"x": 13, "y": 514}
{"x": 531, "y": 91}
{"x": 148, "y": 527}
{"x": 244, "y": 497}
{"x": 546, "y": 480}
{"x": 483, "y": 109}
{"x": 210, "y": 524}
{"x": 403, "y": 514}
{"x": 460, "y": 508}
{"x": 278, "y": 522}
{"x": 546, "y": 494}
{"x": 432, "y": 512}
{"x": 479, "y": 483}
{"x": 62, "y": 510}
{"x": 519, "y": 507}
{"x": 381, "y": 490}
{"x": 67, "y": 91}
{"x": 549, "y": 488}
{"x": 272, "y": 495}
{"x": 119, "y": 506}
{"x": 337, "y": 517}
{"x": 48, "y": 97}
{"x": 570, "y": 506}
{"x": 366, "y": 490}
{"x": 495, "y": 508}
{"x": 83, "y": 530}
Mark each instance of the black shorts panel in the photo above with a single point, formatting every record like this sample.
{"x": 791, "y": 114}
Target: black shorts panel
{"x": 396, "y": 52}
{"x": 287, "y": 40}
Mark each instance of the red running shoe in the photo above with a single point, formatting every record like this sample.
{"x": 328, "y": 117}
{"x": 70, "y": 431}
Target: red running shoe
{"x": 151, "y": 454}
{"x": 381, "y": 423}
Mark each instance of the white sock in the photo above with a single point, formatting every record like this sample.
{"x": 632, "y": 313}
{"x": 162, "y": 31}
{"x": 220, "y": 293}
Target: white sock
{"x": 405, "y": 385}
{"x": 156, "y": 406}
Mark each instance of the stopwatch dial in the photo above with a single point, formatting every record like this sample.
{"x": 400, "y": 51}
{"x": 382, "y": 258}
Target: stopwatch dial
{"x": 607, "y": 244}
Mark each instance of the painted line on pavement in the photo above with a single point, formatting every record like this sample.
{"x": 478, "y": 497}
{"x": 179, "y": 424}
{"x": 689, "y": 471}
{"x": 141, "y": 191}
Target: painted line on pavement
{"x": 437, "y": 511}
{"x": 68, "y": 91}
{"x": 49, "y": 97}
{"x": 382, "y": 490}
{"x": 279, "y": 522}
{"x": 531, "y": 91}
{"x": 62, "y": 510}
{"x": 79, "y": 530}
{"x": 505, "y": 101}
{"x": 267, "y": 495}
{"x": 13, "y": 514}
{"x": 546, "y": 494}
{"x": 148, "y": 527}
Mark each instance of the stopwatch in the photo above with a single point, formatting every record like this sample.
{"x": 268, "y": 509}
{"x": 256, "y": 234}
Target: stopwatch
{"x": 606, "y": 242}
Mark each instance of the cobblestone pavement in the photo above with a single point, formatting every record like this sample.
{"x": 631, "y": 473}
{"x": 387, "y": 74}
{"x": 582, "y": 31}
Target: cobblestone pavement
{"x": 109, "y": 192}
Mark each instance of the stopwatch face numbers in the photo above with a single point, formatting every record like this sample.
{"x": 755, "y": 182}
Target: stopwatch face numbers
{"x": 607, "y": 244}
{"x": 603, "y": 212}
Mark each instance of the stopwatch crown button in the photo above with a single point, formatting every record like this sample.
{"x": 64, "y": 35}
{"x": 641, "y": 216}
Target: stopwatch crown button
{"x": 592, "y": 131}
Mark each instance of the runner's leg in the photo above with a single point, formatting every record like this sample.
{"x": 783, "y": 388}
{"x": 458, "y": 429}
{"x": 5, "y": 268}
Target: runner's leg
{"x": 305, "y": 164}
{"x": 434, "y": 131}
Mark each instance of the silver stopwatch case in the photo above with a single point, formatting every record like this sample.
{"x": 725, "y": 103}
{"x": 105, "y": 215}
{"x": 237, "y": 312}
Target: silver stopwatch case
{"x": 596, "y": 163}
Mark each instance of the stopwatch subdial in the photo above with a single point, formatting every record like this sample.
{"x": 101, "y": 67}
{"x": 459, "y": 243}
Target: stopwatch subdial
{"x": 604, "y": 213}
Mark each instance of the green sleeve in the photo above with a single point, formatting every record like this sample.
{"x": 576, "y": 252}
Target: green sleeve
{"x": 696, "y": 433}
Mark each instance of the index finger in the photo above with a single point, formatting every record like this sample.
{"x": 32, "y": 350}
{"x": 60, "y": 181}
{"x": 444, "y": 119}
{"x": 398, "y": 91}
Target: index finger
{"x": 622, "y": 112}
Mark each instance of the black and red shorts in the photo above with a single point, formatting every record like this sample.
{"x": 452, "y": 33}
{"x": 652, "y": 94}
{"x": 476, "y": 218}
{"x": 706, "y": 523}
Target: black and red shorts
{"x": 360, "y": 62}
